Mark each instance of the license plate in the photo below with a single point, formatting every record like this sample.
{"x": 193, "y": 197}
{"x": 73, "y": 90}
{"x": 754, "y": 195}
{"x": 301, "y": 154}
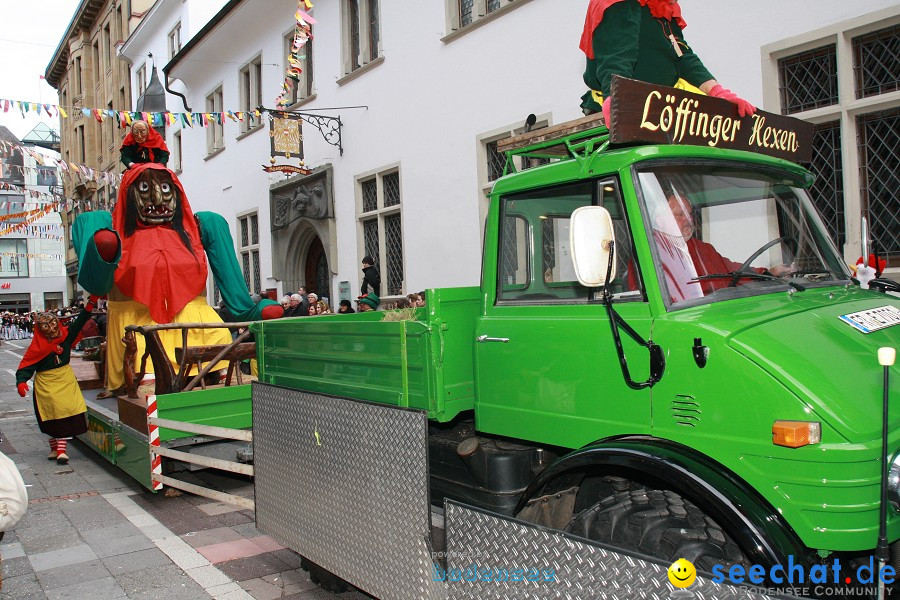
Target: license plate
{"x": 873, "y": 319}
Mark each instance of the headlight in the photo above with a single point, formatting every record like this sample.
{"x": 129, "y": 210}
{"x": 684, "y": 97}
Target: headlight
{"x": 894, "y": 483}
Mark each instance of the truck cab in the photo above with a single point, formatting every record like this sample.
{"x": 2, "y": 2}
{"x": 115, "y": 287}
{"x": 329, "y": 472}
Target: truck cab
{"x": 666, "y": 354}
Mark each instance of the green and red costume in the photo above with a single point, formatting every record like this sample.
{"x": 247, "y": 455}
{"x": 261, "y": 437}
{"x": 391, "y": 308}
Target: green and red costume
{"x": 634, "y": 38}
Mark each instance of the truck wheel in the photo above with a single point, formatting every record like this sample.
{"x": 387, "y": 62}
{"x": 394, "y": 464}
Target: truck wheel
{"x": 658, "y": 523}
{"x": 323, "y": 578}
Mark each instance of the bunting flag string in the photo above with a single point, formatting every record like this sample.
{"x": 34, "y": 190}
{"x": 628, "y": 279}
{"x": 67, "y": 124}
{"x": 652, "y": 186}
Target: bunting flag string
{"x": 71, "y": 171}
{"x": 18, "y": 215}
{"x": 125, "y": 118}
{"x": 21, "y": 227}
{"x": 33, "y": 255}
{"x": 302, "y": 34}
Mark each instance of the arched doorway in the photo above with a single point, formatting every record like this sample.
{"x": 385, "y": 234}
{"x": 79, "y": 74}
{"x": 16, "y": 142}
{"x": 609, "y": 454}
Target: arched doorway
{"x": 316, "y": 273}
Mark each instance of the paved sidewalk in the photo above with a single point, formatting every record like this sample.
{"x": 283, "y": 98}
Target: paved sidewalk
{"x": 92, "y": 532}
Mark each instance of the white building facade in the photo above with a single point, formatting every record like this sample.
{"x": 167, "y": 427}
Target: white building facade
{"x": 425, "y": 89}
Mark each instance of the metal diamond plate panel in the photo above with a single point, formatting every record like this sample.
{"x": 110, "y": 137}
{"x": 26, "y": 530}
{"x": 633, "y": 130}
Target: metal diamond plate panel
{"x": 345, "y": 483}
{"x": 559, "y": 566}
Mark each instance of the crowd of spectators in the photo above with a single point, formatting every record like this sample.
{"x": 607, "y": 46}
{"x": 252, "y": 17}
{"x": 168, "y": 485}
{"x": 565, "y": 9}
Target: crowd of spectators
{"x": 20, "y": 326}
{"x": 308, "y": 304}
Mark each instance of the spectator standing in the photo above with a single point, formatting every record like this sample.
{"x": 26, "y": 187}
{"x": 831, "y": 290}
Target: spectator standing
{"x": 304, "y": 301}
{"x": 295, "y": 306}
{"x": 368, "y": 302}
{"x": 346, "y": 308}
{"x": 371, "y": 282}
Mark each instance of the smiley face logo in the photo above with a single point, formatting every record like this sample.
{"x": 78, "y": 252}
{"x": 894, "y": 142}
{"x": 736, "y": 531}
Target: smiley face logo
{"x": 682, "y": 573}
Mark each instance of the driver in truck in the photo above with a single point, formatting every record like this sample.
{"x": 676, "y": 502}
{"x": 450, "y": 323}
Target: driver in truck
{"x": 688, "y": 261}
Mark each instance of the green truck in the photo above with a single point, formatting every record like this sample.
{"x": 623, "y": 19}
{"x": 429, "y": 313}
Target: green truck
{"x": 708, "y": 390}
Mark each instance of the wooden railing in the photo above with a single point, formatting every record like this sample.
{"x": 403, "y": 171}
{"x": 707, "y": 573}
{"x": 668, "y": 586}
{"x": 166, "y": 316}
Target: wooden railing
{"x": 167, "y": 380}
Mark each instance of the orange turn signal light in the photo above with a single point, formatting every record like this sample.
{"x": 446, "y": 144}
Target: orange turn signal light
{"x": 794, "y": 434}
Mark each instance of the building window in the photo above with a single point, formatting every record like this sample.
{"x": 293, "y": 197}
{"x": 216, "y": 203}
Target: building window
{"x": 828, "y": 189}
{"x": 362, "y": 37}
{"x": 303, "y": 88}
{"x": 110, "y": 129}
{"x": 380, "y": 227}
{"x": 96, "y": 61}
{"x": 107, "y": 47}
{"x": 251, "y": 90}
{"x": 79, "y": 143}
{"x": 464, "y": 13}
{"x": 176, "y": 152}
{"x": 491, "y": 161}
{"x": 175, "y": 40}
{"x": 856, "y": 133}
{"x": 248, "y": 249}
{"x": 215, "y": 133}
{"x": 140, "y": 79}
{"x": 79, "y": 89}
{"x": 879, "y": 136}
{"x": 808, "y": 80}
{"x": 13, "y": 258}
{"x": 876, "y": 59}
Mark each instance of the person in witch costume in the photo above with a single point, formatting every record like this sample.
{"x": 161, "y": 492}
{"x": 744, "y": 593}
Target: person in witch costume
{"x": 642, "y": 39}
{"x": 143, "y": 145}
{"x": 58, "y": 403}
{"x": 152, "y": 257}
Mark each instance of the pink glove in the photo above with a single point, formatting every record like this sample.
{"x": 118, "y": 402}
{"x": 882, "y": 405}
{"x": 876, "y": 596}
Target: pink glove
{"x": 745, "y": 109}
{"x": 606, "y": 117}
{"x": 23, "y": 389}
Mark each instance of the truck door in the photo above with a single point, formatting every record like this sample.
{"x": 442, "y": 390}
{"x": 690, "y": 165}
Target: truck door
{"x": 546, "y": 365}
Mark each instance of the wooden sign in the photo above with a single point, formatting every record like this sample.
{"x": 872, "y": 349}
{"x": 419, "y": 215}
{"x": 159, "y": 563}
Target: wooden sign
{"x": 644, "y": 112}
{"x": 286, "y": 169}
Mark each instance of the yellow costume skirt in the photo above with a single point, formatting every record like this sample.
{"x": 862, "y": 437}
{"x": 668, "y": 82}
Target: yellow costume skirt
{"x": 130, "y": 312}
{"x": 57, "y": 395}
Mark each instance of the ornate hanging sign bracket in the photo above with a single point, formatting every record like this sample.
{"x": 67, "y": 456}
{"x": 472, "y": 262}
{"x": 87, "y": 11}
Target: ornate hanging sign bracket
{"x": 282, "y": 129}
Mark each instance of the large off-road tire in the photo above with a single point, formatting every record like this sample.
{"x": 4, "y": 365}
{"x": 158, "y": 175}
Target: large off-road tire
{"x": 324, "y": 578}
{"x": 660, "y": 524}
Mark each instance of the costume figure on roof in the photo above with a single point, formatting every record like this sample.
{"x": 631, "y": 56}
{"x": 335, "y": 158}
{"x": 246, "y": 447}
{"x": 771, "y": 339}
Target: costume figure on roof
{"x": 143, "y": 145}
{"x": 58, "y": 404}
{"x": 642, "y": 39}
{"x": 150, "y": 256}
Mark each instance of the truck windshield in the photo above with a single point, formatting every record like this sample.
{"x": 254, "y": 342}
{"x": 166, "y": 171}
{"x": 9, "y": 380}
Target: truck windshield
{"x": 720, "y": 232}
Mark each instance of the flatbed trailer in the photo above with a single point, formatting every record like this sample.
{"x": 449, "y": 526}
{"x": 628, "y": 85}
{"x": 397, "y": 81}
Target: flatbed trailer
{"x": 124, "y": 432}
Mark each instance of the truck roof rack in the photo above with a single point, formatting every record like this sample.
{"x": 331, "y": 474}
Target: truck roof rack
{"x": 578, "y": 138}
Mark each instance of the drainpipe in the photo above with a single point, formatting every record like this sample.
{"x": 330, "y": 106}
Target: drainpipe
{"x": 174, "y": 93}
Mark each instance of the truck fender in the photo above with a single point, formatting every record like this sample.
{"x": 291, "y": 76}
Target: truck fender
{"x": 757, "y": 527}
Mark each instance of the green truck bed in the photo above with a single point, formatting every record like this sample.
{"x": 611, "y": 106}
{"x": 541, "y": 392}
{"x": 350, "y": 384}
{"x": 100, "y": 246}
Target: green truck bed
{"x": 426, "y": 363}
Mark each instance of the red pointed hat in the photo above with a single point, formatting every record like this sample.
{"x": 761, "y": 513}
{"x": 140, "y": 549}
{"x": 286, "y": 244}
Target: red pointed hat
{"x": 154, "y": 140}
{"x": 661, "y": 9}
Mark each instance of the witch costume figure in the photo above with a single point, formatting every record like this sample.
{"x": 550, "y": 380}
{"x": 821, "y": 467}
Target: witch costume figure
{"x": 152, "y": 257}
{"x": 143, "y": 145}
{"x": 58, "y": 403}
{"x": 642, "y": 39}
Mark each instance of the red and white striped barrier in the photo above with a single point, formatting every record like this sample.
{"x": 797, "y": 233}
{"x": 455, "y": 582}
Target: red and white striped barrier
{"x": 153, "y": 432}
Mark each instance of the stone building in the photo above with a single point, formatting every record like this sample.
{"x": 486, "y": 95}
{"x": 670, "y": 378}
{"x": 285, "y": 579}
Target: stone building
{"x": 87, "y": 72}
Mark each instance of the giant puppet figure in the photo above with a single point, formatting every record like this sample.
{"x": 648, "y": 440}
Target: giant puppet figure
{"x": 642, "y": 39}
{"x": 150, "y": 257}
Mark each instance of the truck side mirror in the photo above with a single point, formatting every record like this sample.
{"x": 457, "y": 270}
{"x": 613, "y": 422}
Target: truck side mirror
{"x": 590, "y": 237}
